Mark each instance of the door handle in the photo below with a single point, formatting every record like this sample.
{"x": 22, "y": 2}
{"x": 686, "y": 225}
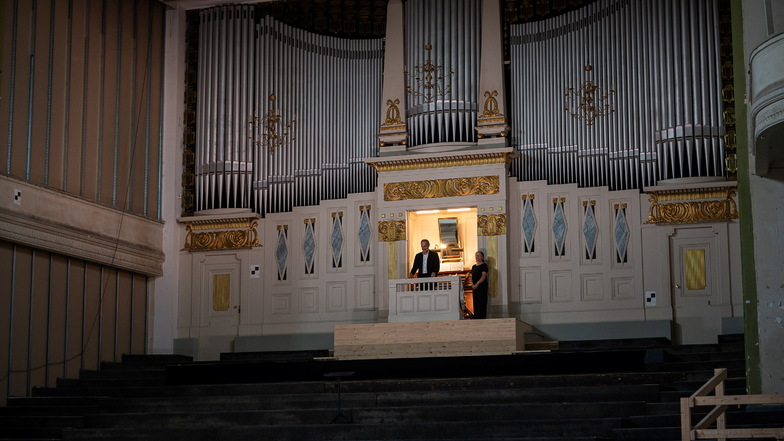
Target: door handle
{"x": 677, "y": 286}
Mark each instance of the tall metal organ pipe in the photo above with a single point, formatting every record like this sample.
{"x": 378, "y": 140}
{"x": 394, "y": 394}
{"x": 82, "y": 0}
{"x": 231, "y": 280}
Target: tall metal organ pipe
{"x": 327, "y": 87}
{"x": 658, "y": 62}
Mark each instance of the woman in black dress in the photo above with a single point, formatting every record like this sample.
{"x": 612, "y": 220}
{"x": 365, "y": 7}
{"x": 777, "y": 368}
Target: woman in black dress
{"x": 479, "y": 285}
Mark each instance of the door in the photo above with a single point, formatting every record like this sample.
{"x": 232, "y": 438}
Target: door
{"x": 220, "y": 305}
{"x": 696, "y": 294}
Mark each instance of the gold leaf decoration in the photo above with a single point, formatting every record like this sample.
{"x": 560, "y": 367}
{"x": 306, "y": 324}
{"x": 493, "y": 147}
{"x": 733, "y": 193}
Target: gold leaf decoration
{"x": 441, "y": 188}
{"x": 392, "y": 231}
{"x": 221, "y": 235}
{"x": 491, "y": 224}
{"x": 689, "y": 210}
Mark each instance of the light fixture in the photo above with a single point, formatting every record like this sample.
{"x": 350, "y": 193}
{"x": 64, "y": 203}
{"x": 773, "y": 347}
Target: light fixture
{"x": 452, "y": 210}
{"x": 270, "y": 131}
{"x": 427, "y": 211}
{"x": 588, "y": 101}
{"x": 430, "y": 80}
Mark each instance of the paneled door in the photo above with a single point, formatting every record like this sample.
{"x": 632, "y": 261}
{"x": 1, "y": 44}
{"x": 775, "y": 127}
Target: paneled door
{"x": 696, "y": 294}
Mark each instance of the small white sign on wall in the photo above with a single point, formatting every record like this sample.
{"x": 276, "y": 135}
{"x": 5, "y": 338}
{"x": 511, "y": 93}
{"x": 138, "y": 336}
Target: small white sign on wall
{"x": 255, "y": 271}
{"x": 650, "y": 298}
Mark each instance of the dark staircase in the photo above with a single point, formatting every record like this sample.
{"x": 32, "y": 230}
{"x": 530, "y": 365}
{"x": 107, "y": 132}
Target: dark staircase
{"x": 607, "y": 390}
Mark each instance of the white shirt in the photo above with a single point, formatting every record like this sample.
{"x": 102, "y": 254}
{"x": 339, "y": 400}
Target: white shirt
{"x": 424, "y": 263}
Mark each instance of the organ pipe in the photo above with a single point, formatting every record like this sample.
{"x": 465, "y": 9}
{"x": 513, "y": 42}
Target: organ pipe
{"x": 661, "y": 58}
{"x": 329, "y": 87}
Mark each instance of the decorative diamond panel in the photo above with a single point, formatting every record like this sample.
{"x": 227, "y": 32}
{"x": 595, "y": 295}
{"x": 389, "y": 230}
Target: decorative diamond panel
{"x": 621, "y": 234}
{"x": 364, "y": 234}
{"x": 559, "y": 226}
{"x": 529, "y": 225}
{"x": 309, "y": 246}
{"x": 590, "y": 232}
{"x": 337, "y": 240}
{"x": 281, "y": 251}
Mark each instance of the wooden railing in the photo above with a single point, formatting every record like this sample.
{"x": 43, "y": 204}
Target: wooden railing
{"x": 721, "y": 402}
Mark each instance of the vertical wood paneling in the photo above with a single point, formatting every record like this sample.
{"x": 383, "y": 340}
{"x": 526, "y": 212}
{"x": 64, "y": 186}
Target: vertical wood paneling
{"x": 93, "y": 85}
{"x": 139, "y": 312}
{"x": 20, "y": 322}
{"x": 58, "y": 319}
{"x": 40, "y": 93}
{"x": 125, "y": 109}
{"x": 6, "y": 278}
{"x": 74, "y": 106}
{"x": 123, "y": 315}
{"x": 92, "y": 301}
{"x": 20, "y": 75}
{"x": 39, "y": 319}
{"x": 5, "y": 88}
{"x": 109, "y": 137}
{"x": 138, "y": 160}
{"x": 76, "y": 319}
{"x": 58, "y": 106}
{"x": 44, "y": 334}
{"x": 108, "y": 315}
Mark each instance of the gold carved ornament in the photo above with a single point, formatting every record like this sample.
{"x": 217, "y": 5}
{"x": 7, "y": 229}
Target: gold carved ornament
{"x": 392, "y": 231}
{"x": 692, "y": 211}
{"x": 441, "y": 188}
{"x": 451, "y": 161}
{"x": 491, "y": 224}
{"x": 490, "y": 109}
{"x": 393, "y": 114}
{"x": 219, "y": 236}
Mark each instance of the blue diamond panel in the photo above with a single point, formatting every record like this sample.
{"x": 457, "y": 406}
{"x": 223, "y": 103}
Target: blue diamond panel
{"x": 621, "y": 233}
{"x": 281, "y": 253}
{"x": 559, "y": 227}
{"x": 529, "y": 223}
{"x": 337, "y": 241}
{"x": 309, "y": 247}
{"x": 590, "y": 230}
{"x": 364, "y": 232}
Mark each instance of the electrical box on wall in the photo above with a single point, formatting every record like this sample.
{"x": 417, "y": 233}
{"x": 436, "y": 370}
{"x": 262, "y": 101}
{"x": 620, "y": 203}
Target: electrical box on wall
{"x": 650, "y": 298}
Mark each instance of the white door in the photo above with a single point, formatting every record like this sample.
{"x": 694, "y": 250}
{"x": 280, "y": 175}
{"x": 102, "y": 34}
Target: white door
{"x": 696, "y": 294}
{"x": 220, "y": 306}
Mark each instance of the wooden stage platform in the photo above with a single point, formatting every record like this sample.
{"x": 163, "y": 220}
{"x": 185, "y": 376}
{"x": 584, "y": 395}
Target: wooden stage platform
{"x": 447, "y": 338}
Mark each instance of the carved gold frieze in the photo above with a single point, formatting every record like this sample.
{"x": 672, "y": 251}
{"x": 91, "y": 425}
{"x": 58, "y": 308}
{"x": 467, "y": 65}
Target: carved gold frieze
{"x": 448, "y": 161}
{"x": 392, "y": 231}
{"x": 691, "y": 206}
{"x": 441, "y": 188}
{"x": 491, "y": 224}
{"x": 221, "y": 235}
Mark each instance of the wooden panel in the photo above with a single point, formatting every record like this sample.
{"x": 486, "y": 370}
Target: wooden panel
{"x": 76, "y": 319}
{"x": 58, "y": 318}
{"x": 59, "y": 111}
{"x": 592, "y": 287}
{"x": 623, "y": 288}
{"x": 39, "y": 318}
{"x": 110, "y": 106}
{"x": 365, "y": 293}
{"x": 75, "y": 104}
{"x": 40, "y": 94}
{"x": 6, "y": 261}
{"x": 531, "y": 285}
{"x": 20, "y": 321}
{"x": 560, "y": 286}
{"x": 139, "y": 321}
{"x": 155, "y": 85}
{"x": 91, "y": 336}
{"x": 93, "y": 83}
{"x": 429, "y": 339}
{"x": 124, "y": 315}
{"x": 108, "y": 315}
{"x": 21, "y": 89}
{"x": 336, "y": 297}
{"x": 308, "y": 301}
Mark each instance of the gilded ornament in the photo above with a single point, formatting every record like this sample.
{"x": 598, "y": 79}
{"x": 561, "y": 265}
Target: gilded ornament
{"x": 490, "y": 109}
{"x": 221, "y": 235}
{"x": 393, "y": 114}
{"x": 690, "y": 209}
{"x": 392, "y": 231}
{"x": 491, "y": 224}
{"x": 441, "y": 188}
{"x": 448, "y": 161}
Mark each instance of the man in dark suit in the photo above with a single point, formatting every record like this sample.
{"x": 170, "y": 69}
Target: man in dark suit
{"x": 426, "y": 263}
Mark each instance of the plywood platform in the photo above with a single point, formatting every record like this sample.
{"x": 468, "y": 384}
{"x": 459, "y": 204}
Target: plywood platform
{"x": 430, "y": 339}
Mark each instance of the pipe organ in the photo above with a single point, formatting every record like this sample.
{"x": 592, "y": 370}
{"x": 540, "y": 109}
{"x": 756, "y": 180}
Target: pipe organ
{"x": 654, "y": 63}
{"x": 442, "y": 60}
{"x": 260, "y": 79}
